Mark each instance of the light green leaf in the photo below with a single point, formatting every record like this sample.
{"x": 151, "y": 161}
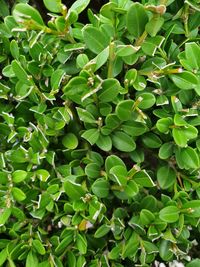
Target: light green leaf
{"x": 136, "y": 19}
{"x": 19, "y": 176}
{"x": 190, "y": 157}
{"x": 4, "y": 215}
{"x": 185, "y": 80}
{"x": 53, "y": 6}
{"x": 24, "y": 12}
{"x": 91, "y": 135}
{"x": 95, "y": 40}
{"x": 79, "y": 5}
{"x": 131, "y": 189}
{"x": 73, "y": 190}
{"x": 81, "y": 243}
{"x": 31, "y": 260}
{"x": 169, "y": 214}
{"x": 143, "y": 178}
{"x": 18, "y": 194}
{"x": 43, "y": 175}
{"x": 102, "y": 231}
{"x": 147, "y": 100}
{"x": 179, "y": 137}
{"x": 154, "y": 26}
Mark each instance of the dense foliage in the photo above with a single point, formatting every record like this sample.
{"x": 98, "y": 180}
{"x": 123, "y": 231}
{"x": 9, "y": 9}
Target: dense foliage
{"x": 99, "y": 142}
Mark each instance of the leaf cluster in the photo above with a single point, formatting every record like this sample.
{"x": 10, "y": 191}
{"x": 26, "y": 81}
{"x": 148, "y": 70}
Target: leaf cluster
{"x": 99, "y": 134}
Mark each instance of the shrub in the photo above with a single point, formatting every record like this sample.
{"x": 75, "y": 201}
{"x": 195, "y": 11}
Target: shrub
{"x": 100, "y": 151}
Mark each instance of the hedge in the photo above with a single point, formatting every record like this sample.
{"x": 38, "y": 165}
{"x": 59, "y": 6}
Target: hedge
{"x": 99, "y": 133}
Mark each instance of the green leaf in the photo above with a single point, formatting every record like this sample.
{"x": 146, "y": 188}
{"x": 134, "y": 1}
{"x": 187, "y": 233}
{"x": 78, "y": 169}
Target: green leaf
{"x": 3, "y": 256}
{"x": 151, "y": 140}
{"x": 134, "y": 128}
{"x": 95, "y": 40}
{"x": 19, "y": 176}
{"x": 104, "y": 142}
{"x": 4, "y": 215}
{"x": 18, "y": 194}
{"x": 53, "y": 6}
{"x": 64, "y": 243}
{"x": 193, "y": 263}
{"x": 71, "y": 259}
{"x": 147, "y": 100}
{"x": 124, "y": 109}
{"x": 146, "y": 217}
{"x": 81, "y": 243}
{"x": 185, "y": 80}
{"x": 82, "y": 60}
{"x": 14, "y": 49}
{"x": 38, "y": 246}
{"x": 165, "y": 250}
{"x": 79, "y": 5}
{"x": 56, "y": 78}
{"x": 131, "y": 246}
{"x": 31, "y": 260}
{"x": 93, "y": 170}
{"x": 43, "y": 175}
{"x": 112, "y": 161}
{"x": 166, "y": 177}
{"x": 70, "y": 141}
{"x": 166, "y": 150}
{"x": 131, "y": 189}
{"x": 102, "y": 231}
{"x": 101, "y": 188}
{"x": 192, "y": 208}
{"x": 163, "y": 124}
{"x": 20, "y": 72}
{"x": 4, "y": 8}
{"x": 23, "y": 12}
{"x": 136, "y": 19}
{"x": 142, "y": 178}
{"x": 126, "y": 50}
{"x": 123, "y": 142}
{"x": 110, "y": 89}
{"x": 85, "y": 116}
{"x": 179, "y": 137}
{"x": 73, "y": 190}
{"x": 119, "y": 175}
{"x": 190, "y": 157}
{"x": 169, "y": 214}
{"x": 192, "y": 52}
{"x": 154, "y": 25}
{"x": 91, "y": 135}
